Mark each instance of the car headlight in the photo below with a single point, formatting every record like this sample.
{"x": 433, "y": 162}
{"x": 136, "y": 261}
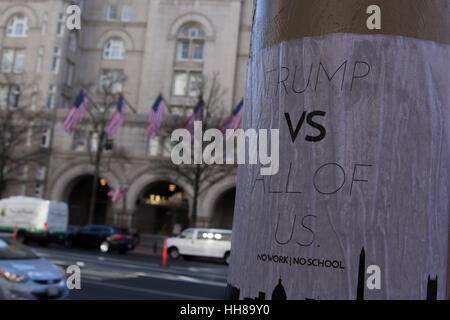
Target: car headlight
{"x": 12, "y": 276}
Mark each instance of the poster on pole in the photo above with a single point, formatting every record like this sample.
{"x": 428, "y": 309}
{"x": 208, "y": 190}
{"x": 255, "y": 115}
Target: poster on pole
{"x": 359, "y": 207}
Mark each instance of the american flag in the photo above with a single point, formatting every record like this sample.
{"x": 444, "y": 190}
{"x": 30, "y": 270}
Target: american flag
{"x": 117, "y": 118}
{"x": 116, "y": 195}
{"x": 76, "y": 113}
{"x": 233, "y": 122}
{"x": 196, "y": 116}
{"x": 155, "y": 117}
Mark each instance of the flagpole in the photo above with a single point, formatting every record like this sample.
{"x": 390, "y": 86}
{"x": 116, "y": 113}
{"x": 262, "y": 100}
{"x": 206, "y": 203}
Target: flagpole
{"x": 165, "y": 102}
{"x": 129, "y": 104}
{"x": 83, "y": 90}
{"x": 97, "y": 107}
{"x": 91, "y": 101}
{"x": 168, "y": 107}
{"x": 89, "y": 98}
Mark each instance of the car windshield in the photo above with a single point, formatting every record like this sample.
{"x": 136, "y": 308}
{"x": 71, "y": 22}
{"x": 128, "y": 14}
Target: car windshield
{"x": 12, "y": 250}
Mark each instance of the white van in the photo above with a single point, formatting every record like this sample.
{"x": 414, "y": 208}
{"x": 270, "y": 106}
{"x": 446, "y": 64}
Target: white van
{"x": 201, "y": 242}
{"x": 35, "y": 219}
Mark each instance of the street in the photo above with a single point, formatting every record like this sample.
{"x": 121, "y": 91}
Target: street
{"x": 139, "y": 276}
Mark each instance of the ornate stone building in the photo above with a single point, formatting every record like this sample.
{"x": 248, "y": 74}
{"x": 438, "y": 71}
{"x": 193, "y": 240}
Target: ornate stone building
{"x": 153, "y": 47}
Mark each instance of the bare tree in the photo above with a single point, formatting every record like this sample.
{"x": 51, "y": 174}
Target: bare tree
{"x": 22, "y": 124}
{"x": 120, "y": 158}
{"x": 96, "y": 124}
{"x": 201, "y": 176}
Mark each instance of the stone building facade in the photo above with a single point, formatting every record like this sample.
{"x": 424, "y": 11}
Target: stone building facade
{"x": 153, "y": 46}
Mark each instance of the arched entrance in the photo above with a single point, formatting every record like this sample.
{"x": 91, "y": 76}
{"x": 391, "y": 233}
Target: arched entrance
{"x": 161, "y": 208}
{"x": 223, "y": 210}
{"x": 78, "y": 198}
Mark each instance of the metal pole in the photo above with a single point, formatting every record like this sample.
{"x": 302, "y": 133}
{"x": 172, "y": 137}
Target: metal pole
{"x": 355, "y": 93}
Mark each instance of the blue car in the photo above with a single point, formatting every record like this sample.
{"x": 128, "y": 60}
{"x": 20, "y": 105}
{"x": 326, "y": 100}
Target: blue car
{"x": 26, "y": 276}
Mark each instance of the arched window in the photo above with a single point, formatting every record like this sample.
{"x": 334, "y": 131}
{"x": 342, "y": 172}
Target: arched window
{"x": 17, "y": 26}
{"x": 114, "y": 49}
{"x": 191, "y": 42}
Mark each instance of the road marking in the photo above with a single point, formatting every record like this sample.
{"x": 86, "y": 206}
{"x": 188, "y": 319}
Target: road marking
{"x": 201, "y": 281}
{"x": 151, "y": 291}
{"x": 85, "y": 277}
{"x": 116, "y": 274}
{"x": 159, "y": 274}
{"x": 211, "y": 271}
{"x": 168, "y": 271}
{"x": 92, "y": 257}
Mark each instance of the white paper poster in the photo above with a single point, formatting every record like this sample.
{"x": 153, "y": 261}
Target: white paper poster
{"x": 359, "y": 208}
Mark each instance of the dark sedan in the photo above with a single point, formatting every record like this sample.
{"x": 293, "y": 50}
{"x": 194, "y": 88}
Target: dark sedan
{"x": 105, "y": 238}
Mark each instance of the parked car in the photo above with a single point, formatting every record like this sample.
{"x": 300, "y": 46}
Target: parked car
{"x": 34, "y": 219}
{"x": 105, "y": 238}
{"x": 24, "y": 275}
{"x": 201, "y": 242}
{"x": 70, "y": 231}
